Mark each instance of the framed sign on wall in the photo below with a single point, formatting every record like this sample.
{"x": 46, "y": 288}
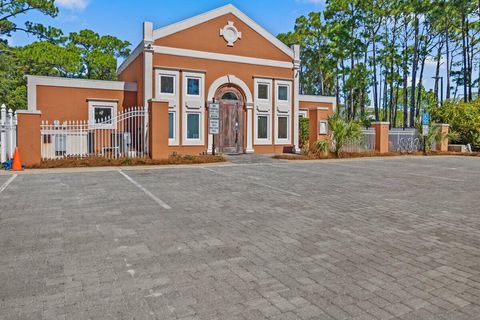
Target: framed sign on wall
{"x": 323, "y": 127}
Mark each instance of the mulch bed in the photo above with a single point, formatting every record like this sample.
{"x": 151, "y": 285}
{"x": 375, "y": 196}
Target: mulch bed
{"x": 103, "y": 162}
{"x": 369, "y": 154}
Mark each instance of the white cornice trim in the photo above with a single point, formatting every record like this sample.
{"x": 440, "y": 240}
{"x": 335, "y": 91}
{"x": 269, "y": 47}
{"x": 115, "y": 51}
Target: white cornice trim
{"x": 215, "y": 13}
{"x": 326, "y": 99}
{"x": 135, "y": 53}
{"x": 82, "y": 83}
{"x": 221, "y": 57}
{"x": 34, "y": 81}
{"x": 311, "y": 98}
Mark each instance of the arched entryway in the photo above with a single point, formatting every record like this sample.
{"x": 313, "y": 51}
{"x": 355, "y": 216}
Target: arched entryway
{"x": 232, "y": 119}
{"x": 232, "y": 81}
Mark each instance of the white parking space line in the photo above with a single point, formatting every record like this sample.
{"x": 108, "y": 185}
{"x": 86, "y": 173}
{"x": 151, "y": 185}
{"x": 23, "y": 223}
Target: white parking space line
{"x": 254, "y": 182}
{"x": 434, "y": 177}
{"x": 148, "y": 193}
{"x": 5, "y": 185}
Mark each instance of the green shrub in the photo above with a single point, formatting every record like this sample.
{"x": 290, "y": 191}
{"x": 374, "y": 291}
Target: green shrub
{"x": 321, "y": 148}
{"x": 463, "y": 118}
{"x": 303, "y": 132}
{"x": 343, "y": 131}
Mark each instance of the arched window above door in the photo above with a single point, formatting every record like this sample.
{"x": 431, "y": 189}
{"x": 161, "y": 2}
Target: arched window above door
{"x": 229, "y": 95}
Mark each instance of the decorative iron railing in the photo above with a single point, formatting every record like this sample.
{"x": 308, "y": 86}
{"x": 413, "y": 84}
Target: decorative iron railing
{"x": 124, "y": 135}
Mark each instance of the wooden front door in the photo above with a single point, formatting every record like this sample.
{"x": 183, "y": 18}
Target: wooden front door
{"x": 230, "y": 127}
{"x": 230, "y": 139}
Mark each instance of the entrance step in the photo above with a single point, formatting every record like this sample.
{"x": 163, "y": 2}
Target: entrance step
{"x": 249, "y": 158}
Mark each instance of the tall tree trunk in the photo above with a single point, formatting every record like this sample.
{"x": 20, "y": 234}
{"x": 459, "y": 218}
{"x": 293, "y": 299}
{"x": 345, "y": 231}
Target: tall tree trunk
{"x": 469, "y": 60}
{"x": 464, "y": 59}
{"x": 447, "y": 53}
{"x": 420, "y": 87}
{"x": 437, "y": 70}
{"x": 405, "y": 78}
{"x": 414, "y": 70}
{"x": 392, "y": 65}
{"x": 375, "y": 79}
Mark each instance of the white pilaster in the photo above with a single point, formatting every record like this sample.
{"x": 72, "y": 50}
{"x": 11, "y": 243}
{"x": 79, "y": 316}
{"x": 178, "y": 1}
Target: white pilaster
{"x": 147, "y": 62}
{"x": 296, "y": 97}
{"x": 249, "y": 128}
{"x": 3, "y": 122}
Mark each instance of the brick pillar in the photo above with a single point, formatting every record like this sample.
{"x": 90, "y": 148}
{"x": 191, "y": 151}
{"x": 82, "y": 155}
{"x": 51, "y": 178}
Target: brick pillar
{"x": 28, "y": 136}
{"x": 381, "y": 136}
{"x": 158, "y": 129}
{"x": 312, "y": 127}
{"x": 444, "y": 129}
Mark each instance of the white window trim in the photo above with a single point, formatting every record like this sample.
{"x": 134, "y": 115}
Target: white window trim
{"x": 160, "y": 84}
{"x": 279, "y": 141}
{"x": 269, "y": 91}
{"x": 200, "y": 134}
{"x": 171, "y": 141}
{"x": 283, "y": 108}
{"x": 283, "y": 103}
{"x": 261, "y": 141}
{"x": 193, "y": 104}
{"x": 263, "y": 107}
{"x": 173, "y": 99}
{"x": 199, "y": 86}
{"x": 92, "y": 104}
{"x": 303, "y": 113}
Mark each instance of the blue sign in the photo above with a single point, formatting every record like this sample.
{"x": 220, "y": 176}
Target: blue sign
{"x": 426, "y": 118}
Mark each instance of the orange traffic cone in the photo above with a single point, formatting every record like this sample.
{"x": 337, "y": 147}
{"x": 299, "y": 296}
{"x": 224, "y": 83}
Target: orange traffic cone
{"x": 17, "y": 164}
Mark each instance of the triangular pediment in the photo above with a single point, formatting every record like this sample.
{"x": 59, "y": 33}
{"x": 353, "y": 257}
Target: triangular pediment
{"x": 225, "y": 30}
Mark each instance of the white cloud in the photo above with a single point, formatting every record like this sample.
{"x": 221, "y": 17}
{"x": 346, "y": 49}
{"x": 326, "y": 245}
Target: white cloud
{"x": 72, "y": 4}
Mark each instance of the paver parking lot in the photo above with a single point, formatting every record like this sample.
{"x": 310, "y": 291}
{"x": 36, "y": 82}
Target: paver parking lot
{"x": 394, "y": 238}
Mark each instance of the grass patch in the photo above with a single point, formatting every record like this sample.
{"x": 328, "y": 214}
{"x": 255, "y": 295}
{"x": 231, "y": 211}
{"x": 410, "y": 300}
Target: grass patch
{"x": 103, "y": 162}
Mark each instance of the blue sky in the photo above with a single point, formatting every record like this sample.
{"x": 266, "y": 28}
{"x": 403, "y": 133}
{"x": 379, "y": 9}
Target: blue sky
{"x": 124, "y": 18}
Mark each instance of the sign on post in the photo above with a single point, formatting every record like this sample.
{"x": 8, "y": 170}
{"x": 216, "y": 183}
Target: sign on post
{"x": 425, "y": 123}
{"x": 214, "y": 118}
{"x": 426, "y": 118}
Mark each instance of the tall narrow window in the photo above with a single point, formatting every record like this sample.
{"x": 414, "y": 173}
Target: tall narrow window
{"x": 263, "y": 89}
{"x": 282, "y": 123}
{"x": 262, "y": 127}
{"x": 171, "y": 125}
{"x": 283, "y": 93}
{"x": 167, "y": 84}
{"x": 193, "y": 126}
{"x": 193, "y": 86}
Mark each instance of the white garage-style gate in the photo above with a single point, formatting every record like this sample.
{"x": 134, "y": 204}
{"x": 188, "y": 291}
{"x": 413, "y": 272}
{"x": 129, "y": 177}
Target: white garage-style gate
{"x": 8, "y": 133}
{"x": 122, "y": 136}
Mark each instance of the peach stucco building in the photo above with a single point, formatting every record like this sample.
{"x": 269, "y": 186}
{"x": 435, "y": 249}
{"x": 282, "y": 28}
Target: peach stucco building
{"x": 220, "y": 56}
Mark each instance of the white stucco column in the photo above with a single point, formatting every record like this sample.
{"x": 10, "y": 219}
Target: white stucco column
{"x": 249, "y": 128}
{"x": 296, "y": 97}
{"x": 210, "y": 136}
{"x": 147, "y": 72}
{"x": 147, "y": 63}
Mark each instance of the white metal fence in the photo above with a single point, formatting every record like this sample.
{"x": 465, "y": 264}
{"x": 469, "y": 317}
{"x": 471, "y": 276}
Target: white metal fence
{"x": 404, "y": 140}
{"x": 365, "y": 143}
{"x": 8, "y": 133}
{"x": 124, "y": 135}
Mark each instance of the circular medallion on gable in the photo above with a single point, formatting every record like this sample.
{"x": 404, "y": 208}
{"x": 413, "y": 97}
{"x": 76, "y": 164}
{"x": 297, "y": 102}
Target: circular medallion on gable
{"x": 230, "y": 33}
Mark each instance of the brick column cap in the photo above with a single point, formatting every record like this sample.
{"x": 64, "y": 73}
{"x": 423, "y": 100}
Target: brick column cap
{"x": 381, "y": 122}
{"x": 158, "y": 100}
{"x": 37, "y": 112}
{"x": 443, "y": 125}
